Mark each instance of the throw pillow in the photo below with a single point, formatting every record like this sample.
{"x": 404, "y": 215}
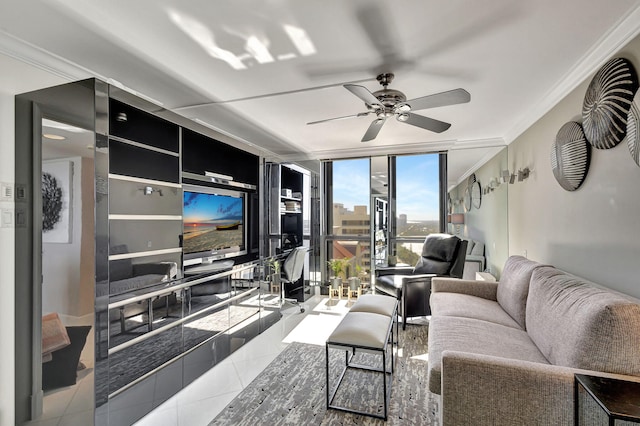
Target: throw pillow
{"x": 61, "y": 370}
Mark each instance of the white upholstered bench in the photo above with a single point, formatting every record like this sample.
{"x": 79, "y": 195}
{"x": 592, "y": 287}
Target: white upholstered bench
{"x": 378, "y": 304}
{"x": 367, "y": 327}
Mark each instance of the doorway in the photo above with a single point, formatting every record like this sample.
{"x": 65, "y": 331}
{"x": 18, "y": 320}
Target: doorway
{"x": 54, "y": 268}
{"x": 68, "y": 279}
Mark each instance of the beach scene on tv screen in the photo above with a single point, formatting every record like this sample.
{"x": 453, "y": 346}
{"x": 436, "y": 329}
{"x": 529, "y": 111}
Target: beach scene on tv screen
{"x": 211, "y": 222}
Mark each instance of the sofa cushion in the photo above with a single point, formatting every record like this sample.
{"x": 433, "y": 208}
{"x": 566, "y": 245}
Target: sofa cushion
{"x": 475, "y": 336}
{"x": 514, "y": 287}
{"x": 468, "y": 306}
{"x": 577, "y": 324}
{"x": 134, "y": 283}
{"x": 470, "y": 244}
{"x": 478, "y": 249}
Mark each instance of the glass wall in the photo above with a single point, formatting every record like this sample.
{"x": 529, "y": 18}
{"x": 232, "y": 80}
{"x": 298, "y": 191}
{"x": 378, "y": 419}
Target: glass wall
{"x": 417, "y": 203}
{"x": 350, "y": 220}
{"x": 390, "y": 203}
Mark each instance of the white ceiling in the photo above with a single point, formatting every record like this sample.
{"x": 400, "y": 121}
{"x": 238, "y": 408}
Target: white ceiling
{"x": 515, "y": 58}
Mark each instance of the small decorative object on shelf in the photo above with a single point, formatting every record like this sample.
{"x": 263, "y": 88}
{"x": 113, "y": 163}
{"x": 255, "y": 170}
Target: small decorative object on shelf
{"x": 286, "y": 192}
{"x": 612, "y": 399}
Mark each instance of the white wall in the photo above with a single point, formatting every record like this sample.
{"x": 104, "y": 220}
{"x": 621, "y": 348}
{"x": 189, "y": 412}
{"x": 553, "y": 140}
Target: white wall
{"x": 17, "y": 77}
{"x": 489, "y": 223}
{"x": 593, "y": 232}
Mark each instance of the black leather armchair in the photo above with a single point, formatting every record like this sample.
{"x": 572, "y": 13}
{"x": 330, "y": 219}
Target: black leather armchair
{"x": 442, "y": 255}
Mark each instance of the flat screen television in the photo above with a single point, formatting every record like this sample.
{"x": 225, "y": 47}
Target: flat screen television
{"x": 213, "y": 224}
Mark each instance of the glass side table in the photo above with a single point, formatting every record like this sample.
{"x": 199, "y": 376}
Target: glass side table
{"x": 619, "y": 399}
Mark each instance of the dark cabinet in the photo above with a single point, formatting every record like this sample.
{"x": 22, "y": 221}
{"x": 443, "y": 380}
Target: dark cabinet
{"x": 202, "y": 154}
{"x": 135, "y": 125}
{"x": 286, "y": 218}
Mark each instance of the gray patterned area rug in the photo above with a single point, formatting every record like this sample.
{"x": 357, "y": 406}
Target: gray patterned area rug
{"x": 292, "y": 389}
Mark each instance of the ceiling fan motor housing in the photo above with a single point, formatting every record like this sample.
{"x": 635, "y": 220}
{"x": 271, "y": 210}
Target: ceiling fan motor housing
{"x": 389, "y": 97}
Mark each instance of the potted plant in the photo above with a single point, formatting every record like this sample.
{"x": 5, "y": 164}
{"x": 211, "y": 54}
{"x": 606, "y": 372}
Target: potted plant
{"x": 273, "y": 266}
{"x": 337, "y": 267}
{"x": 354, "y": 282}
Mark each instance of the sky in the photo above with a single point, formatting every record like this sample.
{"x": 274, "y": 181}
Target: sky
{"x": 417, "y": 179}
{"x": 208, "y": 207}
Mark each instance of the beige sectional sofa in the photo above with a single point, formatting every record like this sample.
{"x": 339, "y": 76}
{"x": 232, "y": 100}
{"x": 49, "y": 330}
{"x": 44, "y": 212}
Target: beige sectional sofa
{"x": 506, "y": 353}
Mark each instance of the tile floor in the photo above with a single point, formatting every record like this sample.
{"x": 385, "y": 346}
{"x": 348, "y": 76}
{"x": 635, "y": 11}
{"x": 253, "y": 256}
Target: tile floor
{"x": 202, "y": 400}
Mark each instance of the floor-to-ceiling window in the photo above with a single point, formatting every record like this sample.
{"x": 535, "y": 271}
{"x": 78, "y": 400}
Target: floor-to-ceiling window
{"x": 348, "y": 226}
{"x": 409, "y": 188}
{"x": 417, "y": 203}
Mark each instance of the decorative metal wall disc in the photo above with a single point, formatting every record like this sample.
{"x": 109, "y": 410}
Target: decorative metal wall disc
{"x": 570, "y": 155}
{"x": 471, "y": 179}
{"x": 633, "y": 129}
{"x": 607, "y": 102}
{"x": 476, "y": 195}
{"x": 467, "y": 199}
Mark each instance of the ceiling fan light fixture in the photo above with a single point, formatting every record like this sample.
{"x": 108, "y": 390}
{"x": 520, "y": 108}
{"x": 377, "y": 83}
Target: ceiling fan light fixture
{"x": 403, "y": 117}
{"x": 404, "y": 108}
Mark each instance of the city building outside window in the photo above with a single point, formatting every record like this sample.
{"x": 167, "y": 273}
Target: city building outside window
{"x": 351, "y": 216}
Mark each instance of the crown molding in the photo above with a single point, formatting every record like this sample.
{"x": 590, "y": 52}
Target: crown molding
{"x": 481, "y": 162}
{"x": 368, "y": 151}
{"x": 611, "y": 42}
{"x": 478, "y": 143}
{"x": 39, "y": 58}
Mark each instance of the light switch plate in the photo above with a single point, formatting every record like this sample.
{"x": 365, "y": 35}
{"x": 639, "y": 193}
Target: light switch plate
{"x": 7, "y": 190}
{"x": 6, "y": 218}
{"x": 20, "y": 194}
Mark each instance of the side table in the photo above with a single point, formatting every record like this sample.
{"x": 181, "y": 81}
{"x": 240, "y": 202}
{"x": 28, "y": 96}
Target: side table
{"x": 485, "y": 276}
{"x": 619, "y": 399}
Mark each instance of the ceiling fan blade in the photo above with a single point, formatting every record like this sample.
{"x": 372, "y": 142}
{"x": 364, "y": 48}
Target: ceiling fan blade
{"x": 426, "y": 123}
{"x": 451, "y": 97}
{"x": 373, "y": 130}
{"x": 269, "y": 95}
{"x": 361, "y": 114}
{"x": 363, "y": 93}
{"x": 375, "y": 21}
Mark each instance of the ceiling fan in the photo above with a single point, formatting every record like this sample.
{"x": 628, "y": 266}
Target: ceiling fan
{"x": 387, "y": 103}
